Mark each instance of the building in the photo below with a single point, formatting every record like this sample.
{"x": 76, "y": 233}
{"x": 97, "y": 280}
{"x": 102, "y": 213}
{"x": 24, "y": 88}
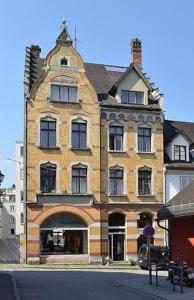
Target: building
{"x": 179, "y": 212}
{"x": 178, "y": 156}
{"x": 8, "y": 212}
{"x": 20, "y": 215}
{"x": 93, "y": 155}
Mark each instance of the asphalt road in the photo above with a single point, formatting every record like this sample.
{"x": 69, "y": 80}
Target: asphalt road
{"x": 74, "y": 285}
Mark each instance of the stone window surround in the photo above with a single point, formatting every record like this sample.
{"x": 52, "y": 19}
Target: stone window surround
{"x": 69, "y": 170}
{"x": 152, "y": 180}
{"x": 145, "y": 125}
{"x": 124, "y": 181}
{"x": 57, "y": 175}
{"x": 84, "y": 119}
{"x": 121, "y": 124}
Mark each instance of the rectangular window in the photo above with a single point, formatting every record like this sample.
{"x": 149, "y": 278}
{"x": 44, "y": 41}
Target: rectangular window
{"x": 21, "y": 151}
{"x": 12, "y": 198}
{"x": 79, "y": 180}
{"x": 21, "y": 174}
{"x": 116, "y": 181}
{"x": 116, "y": 138}
{"x": 12, "y": 231}
{"x": 12, "y": 208}
{"x": 144, "y": 182}
{"x": 64, "y": 93}
{"x": 132, "y": 97}
{"x": 21, "y": 196}
{"x": 47, "y": 133}
{"x": 185, "y": 180}
{"x": 21, "y": 218}
{"x": 79, "y": 133}
{"x": 144, "y": 139}
{"x": 47, "y": 178}
{"x": 179, "y": 152}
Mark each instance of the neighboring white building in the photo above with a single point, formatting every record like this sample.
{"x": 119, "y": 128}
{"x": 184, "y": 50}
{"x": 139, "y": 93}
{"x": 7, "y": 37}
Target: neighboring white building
{"x": 20, "y": 215}
{"x": 8, "y": 213}
{"x": 178, "y": 156}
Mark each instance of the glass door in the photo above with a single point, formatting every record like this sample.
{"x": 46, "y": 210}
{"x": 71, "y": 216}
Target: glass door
{"x": 116, "y": 246}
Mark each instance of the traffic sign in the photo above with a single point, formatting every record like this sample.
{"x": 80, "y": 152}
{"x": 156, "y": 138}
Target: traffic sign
{"x": 149, "y": 231}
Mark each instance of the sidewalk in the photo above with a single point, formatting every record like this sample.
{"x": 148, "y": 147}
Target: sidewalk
{"x": 8, "y": 289}
{"x": 139, "y": 280}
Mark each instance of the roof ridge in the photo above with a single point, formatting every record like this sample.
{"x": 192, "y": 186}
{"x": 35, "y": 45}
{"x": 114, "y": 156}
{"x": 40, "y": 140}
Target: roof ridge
{"x": 116, "y": 66}
{"x": 177, "y": 121}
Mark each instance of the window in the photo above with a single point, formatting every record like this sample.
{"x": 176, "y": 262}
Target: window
{"x": 185, "y": 180}
{"x": 179, "y": 152}
{"x": 12, "y": 208}
{"x": 21, "y": 151}
{"x": 79, "y": 179}
{"x": 21, "y": 218}
{"x": 144, "y": 181}
{"x": 21, "y": 174}
{"x": 79, "y": 133}
{"x": 63, "y": 93}
{"x": 132, "y": 97}
{"x": 12, "y": 231}
{"x": 21, "y": 196}
{"x": 64, "y": 62}
{"x": 12, "y": 198}
{"x": 116, "y": 138}
{"x": 116, "y": 181}
{"x": 47, "y": 178}
{"x": 47, "y": 133}
{"x": 144, "y": 139}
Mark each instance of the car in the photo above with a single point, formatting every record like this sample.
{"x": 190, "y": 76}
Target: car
{"x": 159, "y": 257}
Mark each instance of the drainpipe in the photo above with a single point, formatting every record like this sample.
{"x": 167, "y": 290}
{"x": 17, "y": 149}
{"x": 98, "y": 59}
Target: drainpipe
{"x": 169, "y": 235}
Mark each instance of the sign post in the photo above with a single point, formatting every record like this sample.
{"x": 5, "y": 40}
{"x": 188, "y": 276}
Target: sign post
{"x": 149, "y": 232}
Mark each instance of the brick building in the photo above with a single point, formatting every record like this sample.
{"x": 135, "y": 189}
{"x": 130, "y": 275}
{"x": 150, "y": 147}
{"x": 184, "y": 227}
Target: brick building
{"x": 93, "y": 155}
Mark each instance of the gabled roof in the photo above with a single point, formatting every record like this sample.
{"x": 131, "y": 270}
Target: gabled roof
{"x": 180, "y": 205}
{"x": 141, "y": 75}
{"x": 173, "y": 128}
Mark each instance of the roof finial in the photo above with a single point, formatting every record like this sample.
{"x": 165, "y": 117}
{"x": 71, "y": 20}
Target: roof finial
{"x": 63, "y": 24}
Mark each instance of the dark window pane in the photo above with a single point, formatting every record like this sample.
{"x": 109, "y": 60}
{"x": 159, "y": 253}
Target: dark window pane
{"x": 144, "y": 139}
{"x": 47, "y": 178}
{"x": 116, "y": 138}
{"x": 124, "y": 96}
{"x": 72, "y": 94}
{"x": 116, "y": 181}
{"x": 132, "y": 97}
{"x": 79, "y": 180}
{"x": 79, "y": 131}
{"x": 144, "y": 182}
{"x": 75, "y": 140}
{"x": 55, "y": 92}
{"x": 139, "y": 97}
{"x": 48, "y": 133}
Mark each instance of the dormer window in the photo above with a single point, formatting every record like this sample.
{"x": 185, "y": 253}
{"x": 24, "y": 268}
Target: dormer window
{"x": 64, "y": 62}
{"x": 180, "y": 152}
{"x": 132, "y": 97}
{"x": 63, "y": 93}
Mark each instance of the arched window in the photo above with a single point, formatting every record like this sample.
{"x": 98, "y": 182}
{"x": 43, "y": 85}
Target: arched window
{"x": 79, "y": 133}
{"x": 144, "y": 181}
{"x": 79, "y": 179}
{"x": 116, "y": 180}
{"x": 144, "y": 219}
{"x": 47, "y": 177}
{"x": 116, "y": 219}
{"x": 64, "y": 61}
{"x": 47, "y": 132}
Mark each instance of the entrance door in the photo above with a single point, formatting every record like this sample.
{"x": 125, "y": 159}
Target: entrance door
{"x": 116, "y": 246}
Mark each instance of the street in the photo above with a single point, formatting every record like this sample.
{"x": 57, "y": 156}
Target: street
{"x": 74, "y": 285}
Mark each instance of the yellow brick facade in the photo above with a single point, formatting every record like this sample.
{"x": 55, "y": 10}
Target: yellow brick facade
{"x": 97, "y": 158}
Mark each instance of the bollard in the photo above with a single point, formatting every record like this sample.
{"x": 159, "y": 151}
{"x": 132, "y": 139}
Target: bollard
{"x": 156, "y": 276}
{"x": 181, "y": 268}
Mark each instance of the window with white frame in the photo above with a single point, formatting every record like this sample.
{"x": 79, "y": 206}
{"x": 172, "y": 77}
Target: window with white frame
{"x": 47, "y": 177}
{"x": 79, "y": 179}
{"x": 79, "y": 134}
{"x": 21, "y": 196}
{"x": 63, "y": 93}
{"x": 144, "y": 181}
{"x": 116, "y": 138}
{"x": 185, "y": 180}
{"x": 12, "y": 208}
{"x": 180, "y": 152}
{"x": 116, "y": 180}
{"x": 144, "y": 139}
{"x": 21, "y": 151}
{"x": 21, "y": 174}
{"x": 47, "y": 133}
{"x": 132, "y": 97}
{"x": 22, "y": 218}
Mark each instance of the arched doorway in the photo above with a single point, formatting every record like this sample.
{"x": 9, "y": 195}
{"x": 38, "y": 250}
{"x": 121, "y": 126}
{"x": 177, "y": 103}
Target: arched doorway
{"x": 144, "y": 219}
{"x": 116, "y": 232}
{"x": 64, "y": 233}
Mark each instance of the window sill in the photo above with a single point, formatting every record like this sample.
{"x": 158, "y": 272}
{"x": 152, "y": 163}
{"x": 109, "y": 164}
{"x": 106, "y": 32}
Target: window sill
{"x": 84, "y": 195}
{"x": 145, "y": 152}
{"x": 80, "y": 149}
{"x": 65, "y": 102}
{"x": 48, "y": 148}
{"x": 117, "y": 151}
{"x": 117, "y": 195}
{"x": 146, "y": 195}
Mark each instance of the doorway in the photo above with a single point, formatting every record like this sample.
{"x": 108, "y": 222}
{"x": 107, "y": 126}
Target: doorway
{"x": 116, "y": 246}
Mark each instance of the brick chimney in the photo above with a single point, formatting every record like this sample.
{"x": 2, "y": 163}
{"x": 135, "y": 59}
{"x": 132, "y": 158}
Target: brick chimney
{"x": 35, "y": 51}
{"x": 136, "y": 53}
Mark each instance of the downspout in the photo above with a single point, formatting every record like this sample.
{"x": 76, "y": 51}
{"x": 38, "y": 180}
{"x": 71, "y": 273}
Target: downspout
{"x": 169, "y": 235}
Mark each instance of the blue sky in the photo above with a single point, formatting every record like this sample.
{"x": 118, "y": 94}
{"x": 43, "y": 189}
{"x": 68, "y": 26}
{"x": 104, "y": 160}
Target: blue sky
{"x": 104, "y": 30}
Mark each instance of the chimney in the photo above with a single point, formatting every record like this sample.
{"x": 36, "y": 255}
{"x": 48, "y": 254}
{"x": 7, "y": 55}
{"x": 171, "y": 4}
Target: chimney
{"x": 136, "y": 53}
{"x": 35, "y": 51}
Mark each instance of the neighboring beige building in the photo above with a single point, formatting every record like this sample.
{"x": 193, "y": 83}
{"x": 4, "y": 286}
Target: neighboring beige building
{"x": 93, "y": 155}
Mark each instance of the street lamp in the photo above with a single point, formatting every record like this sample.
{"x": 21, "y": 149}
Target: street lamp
{"x": 1, "y": 177}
